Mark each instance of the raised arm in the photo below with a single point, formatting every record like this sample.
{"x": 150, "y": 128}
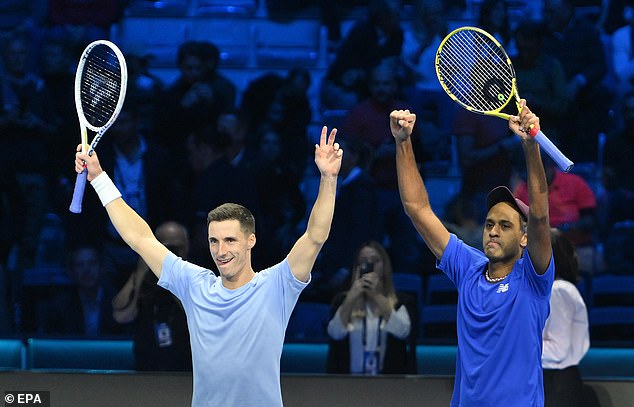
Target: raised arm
{"x": 539, "y": 246}
{"x": 130, "y": 226}
{"x": 328, "y": 157}
{"x": 411, "y": 187}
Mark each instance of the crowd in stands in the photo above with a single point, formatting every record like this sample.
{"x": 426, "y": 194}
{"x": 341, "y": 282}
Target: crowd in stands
{"x": 190, "y": 145}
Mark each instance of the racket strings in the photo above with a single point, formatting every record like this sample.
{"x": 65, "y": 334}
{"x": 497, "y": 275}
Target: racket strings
{"x": 101, "y": 85}
{"x": 476, "y": 71}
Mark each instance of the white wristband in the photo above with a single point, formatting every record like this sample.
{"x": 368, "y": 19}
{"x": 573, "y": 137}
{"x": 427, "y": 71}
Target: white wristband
{"x": 105, "y": 188}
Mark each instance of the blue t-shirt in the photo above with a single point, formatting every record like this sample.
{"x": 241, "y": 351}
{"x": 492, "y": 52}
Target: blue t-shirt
{"x": 499, "y": 329}
{"x": 236, "y": 335}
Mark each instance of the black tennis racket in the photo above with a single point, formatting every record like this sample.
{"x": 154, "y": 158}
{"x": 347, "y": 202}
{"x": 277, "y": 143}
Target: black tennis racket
{"x": 100, "y": 86}
{"x": 476, "y": 72}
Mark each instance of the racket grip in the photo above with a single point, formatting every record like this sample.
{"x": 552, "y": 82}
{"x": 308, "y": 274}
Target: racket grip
{"x": 78, "y": 193}
{"x": 553, "y": 152}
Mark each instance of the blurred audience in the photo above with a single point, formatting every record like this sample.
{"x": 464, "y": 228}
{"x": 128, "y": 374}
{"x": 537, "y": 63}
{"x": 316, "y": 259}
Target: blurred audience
{"x": 486, "y": 151}
{"x": 493, "y": 17}
{"x": 568, "y": 36}
{"x": 356, "y": 208}
{"x": 373, "y": 328}
{"x": 541, "y": 79}
{"x": 619, "y": 148}
{"x": 366, "y": 44}
{"x": 280, "y": 199}
{"x": 368, "y": 122}
{"x": 26, "y": 125}
{"x": 201, "y": 147}
{"x": 84, "y": 20}
{"x": 161, "y": 338}
{"x": 572, "y": 208}
{"x": 195, "y": 98}
{"x": 421, "y": 89}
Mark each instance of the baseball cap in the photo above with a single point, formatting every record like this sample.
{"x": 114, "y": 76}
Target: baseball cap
{"x": 503, "y": 194}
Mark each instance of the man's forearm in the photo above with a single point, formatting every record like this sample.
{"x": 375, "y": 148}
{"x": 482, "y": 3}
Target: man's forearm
{"x": 410, "y": 183}
{"x": 536, "y": 181}
{"x": 321, "y": 215}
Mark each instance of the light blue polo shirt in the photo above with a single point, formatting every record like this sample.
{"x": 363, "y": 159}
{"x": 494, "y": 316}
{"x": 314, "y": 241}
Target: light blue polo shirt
{"x": 499, "y": 329}
{"x": 236, "y": 335}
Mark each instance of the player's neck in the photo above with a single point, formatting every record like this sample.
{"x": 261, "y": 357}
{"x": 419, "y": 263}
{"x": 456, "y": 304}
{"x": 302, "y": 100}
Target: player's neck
{"x": 238, "y": 280}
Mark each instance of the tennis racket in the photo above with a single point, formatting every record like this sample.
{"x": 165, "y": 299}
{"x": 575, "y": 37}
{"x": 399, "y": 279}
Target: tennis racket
{"x": 476, "y": 72}
{"x": 100, "y": 86}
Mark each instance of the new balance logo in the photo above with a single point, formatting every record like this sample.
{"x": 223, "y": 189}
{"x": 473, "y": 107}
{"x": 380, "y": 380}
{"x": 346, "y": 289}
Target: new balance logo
{"x": 502, "y": 288}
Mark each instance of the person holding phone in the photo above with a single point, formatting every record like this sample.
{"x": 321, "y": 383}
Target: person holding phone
{"x": 372, "y": 329}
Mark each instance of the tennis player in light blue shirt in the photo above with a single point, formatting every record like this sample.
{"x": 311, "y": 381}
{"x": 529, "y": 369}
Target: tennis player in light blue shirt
{"x": 237, "y": 320}
{"x": 503, "y": 290}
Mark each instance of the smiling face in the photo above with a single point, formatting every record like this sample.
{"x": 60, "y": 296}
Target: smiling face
{"x": 230, "y": 247}
{"x": 503, "y": 238}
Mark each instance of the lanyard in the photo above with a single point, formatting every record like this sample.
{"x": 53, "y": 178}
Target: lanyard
{"x": 378, "y": 332}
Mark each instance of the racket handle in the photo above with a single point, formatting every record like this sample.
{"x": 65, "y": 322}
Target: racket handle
{"x": 78, "y": 193}
{"x": 558, "y": 157}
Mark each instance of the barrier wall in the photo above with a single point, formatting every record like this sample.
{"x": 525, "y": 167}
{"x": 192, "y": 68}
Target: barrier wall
{"x": 174, "y": 389}
{"x": 310, "y": 358}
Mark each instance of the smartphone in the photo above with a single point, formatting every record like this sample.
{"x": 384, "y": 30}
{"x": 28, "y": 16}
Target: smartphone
{"x": 365, "y": 267}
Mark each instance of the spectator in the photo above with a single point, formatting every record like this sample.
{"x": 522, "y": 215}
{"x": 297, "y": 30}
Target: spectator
{"x": 257, "y": 98}
{"x": 331, "y": 12}
{"x": 85, "y": 309}
{"x": 493, "y": 17}
{"x": 572, "y": 207}
{"x": 57, "y": 66}
{"x": 421, "y": 88}
{"x": 352, "y": 224}
{"x": 144, "y": 87}
{"x": 566, "y": 35}
{"x": 25, "y": 16}
{"x": 84, "y": 20}
{"x": 280, "y": 199}
{"x": 196, "y": 98}
{"x": 161, "y": 339}
{"x": 486, "y": 154}
{"x": 541, "y": 78}
{"x": 618, "y": 155}
{"x": 366, "y": 44}
{"x": 420, "y": 42}
{"x": 373, "y": 329}
{"x": 566, "y": 335}
{"x": 290, "y": 114}
{"x": 235, "y": 124}
{"x": 367, "y": 122}
{"x": 26, "y": 124}
{"x": 461, "y": 218}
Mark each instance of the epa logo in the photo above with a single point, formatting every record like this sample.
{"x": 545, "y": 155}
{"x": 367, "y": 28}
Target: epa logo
{"x": 27, "y": 398}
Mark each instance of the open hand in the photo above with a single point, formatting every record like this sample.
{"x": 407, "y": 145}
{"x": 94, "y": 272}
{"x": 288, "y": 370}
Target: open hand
{"x": 328, "y": 155}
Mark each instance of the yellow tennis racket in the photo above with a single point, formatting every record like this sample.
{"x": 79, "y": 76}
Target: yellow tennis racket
{"x": 477, "y": 73}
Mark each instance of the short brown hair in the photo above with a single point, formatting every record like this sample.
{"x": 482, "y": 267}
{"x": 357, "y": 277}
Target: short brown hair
{"x": 232, "y": 211}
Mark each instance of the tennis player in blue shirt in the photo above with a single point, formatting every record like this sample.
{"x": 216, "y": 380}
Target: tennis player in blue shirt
{"x": 504, "y": 290}
{"x": 237, "y": 320}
